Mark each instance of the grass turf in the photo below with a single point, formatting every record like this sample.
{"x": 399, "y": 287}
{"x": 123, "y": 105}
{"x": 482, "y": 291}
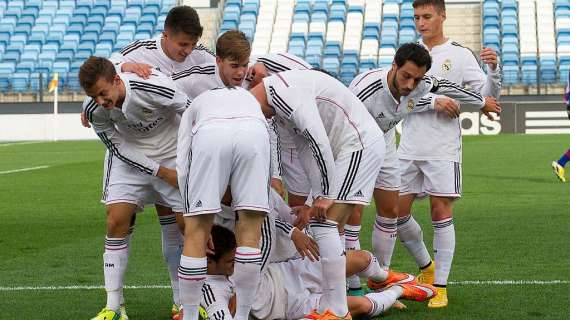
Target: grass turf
{"x": 512, "y": 224}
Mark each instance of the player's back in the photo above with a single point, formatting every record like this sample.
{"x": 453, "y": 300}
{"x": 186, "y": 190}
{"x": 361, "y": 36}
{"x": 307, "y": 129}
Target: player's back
{"x": 348, "y": 124}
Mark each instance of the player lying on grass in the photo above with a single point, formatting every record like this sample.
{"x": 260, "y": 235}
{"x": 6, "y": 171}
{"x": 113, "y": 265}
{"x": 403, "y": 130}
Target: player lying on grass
{"x": 293, "y": 289}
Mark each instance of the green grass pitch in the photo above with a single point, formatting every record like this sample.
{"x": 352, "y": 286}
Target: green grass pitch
{"x": 512, "y": 224}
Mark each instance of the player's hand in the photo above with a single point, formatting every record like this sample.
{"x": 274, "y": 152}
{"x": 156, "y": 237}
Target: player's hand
{"x": 277, "y": 185}
{"x": 489, "y": 57}
{"x": 320, "y": 207}
{"x": 303, "y": 214}
{"x": 168, "y": 175}
{"x": 491, "y": 106}
{"x": 256, "y": 73}
{"x": 84, "y": 120}
{"x": 447, "y": 106}
{"x": 142, "y": 70}
{"x": 306, "y": 246}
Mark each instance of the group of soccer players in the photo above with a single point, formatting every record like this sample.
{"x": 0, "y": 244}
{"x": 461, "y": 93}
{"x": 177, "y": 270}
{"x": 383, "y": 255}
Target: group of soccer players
{"x": 213, "y": 142}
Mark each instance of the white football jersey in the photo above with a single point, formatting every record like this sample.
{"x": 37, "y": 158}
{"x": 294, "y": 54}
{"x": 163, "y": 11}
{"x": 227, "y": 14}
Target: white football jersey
{"x": 371, "y": 87}
{"x": 323, "y": 115}
{"x": 143, "y": 131}
{"x": 433, "y": 136}
{"x": 198, "y": 79}
{"x": 151, "y": 52}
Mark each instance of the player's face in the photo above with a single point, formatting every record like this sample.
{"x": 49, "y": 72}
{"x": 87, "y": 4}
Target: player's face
{"x": 106, "y": 93}
{"x": 407, "y": 77}
{"x": 178, "y": 46}
{"x": 231, "y": 71}
{"x": 225, "y": 265}
{"x": 429, "y": 22}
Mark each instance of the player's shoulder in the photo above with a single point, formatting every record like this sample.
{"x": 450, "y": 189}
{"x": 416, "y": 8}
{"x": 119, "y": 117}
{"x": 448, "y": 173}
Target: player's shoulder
{"x": 94, "y": 111}
{"x": 204, "y": 69}
{"x": 367, "y": 77}
{"x": 142, "y": 46}
{"x": 203, "y": 50}
{"x": 461, "y": 51}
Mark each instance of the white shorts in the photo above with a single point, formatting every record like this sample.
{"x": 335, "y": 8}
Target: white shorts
{"x": 123, "y": 183}
{"x": 356, "y": 174}
{"x": 302, "y": 280}
{"x": 228, "y": 153}
{"x": 296, "y": 180}
{"x": 438, "y": 178}
{"x": 389, "y": 177}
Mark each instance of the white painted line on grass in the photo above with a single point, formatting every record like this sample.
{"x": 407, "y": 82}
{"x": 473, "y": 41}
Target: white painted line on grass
{"x": 24, "y": 169}
{"x": 158, "y": 286}
{"x": 20, "y": 143}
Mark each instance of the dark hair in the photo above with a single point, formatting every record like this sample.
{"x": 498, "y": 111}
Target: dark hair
{"x": 439, "y": 5}
{"x": 224, "y": 241}
{"x": 183, "y": 19}
{"x": 93, "y": 69}
{"x": 233, "y": 45}
{"x": 413, "y": 52}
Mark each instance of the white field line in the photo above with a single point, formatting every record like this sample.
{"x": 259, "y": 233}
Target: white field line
{"x": 19, "y": 143}
{"x": 453, "y": 283}
{"x": 24, "y": 169}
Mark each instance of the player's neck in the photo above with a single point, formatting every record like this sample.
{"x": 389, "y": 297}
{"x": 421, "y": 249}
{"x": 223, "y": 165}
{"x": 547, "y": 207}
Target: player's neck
{"x": 392, "y": 84}
{"x": 434, "y": 41}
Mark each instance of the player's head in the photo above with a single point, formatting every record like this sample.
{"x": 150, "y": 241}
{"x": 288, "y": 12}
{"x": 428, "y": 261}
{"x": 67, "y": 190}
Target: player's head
{"x": 429, "y": 16}
{"x": 222, "y": 261}
{"x": 99, "y": 79}
{"x": 232, "y": 57}
{"x": 182, "y": 30}
{"x": 411, "y": 63}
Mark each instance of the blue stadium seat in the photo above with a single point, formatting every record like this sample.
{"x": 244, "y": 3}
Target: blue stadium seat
{"x": 20, "y": 81}
{"x": 331, "y": 64}
{"x": 366, "y": 64}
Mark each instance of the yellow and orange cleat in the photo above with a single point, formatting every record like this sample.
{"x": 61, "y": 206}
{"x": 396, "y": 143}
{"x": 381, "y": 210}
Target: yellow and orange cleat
{"x": 418, "y": 292}
{"x": 327, "y": 315}
{"x": 393, "y": 278}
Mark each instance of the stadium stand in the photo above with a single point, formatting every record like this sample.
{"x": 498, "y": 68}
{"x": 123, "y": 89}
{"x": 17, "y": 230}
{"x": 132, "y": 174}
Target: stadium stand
{"x": 344, "y": 37}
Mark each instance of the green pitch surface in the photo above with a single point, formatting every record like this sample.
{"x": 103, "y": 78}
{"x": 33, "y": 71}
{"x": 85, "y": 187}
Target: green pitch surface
{"x": 512, "y": 225}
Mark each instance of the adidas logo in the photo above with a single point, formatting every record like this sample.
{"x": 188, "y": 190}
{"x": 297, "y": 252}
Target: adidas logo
{"x": 381, "y": 115}
{"x": 359, "y": 194}
{"x": 198, "y": 204}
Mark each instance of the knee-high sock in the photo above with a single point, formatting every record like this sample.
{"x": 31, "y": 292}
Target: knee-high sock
{"x": 115, "y": 261}
{"x": 411, "y": 236}
{"x": 382, "y": 301}
{"x": 564, "y": 159}
{"x": 443, "y": 247}
{"x": 384, "y": 239}
{"x": 191, "y": 276}
{"x": 172, "y": 242}
{"x": 352, "y": 242}
{"x": 246, "y": 279}
{"x": 333, "y": 262}
{"x": 129, "y": 237}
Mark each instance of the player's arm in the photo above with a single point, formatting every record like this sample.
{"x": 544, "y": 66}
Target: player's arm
{"x": 216, "y": 299}
{"x": 276, "y": 181}
{"x": 105, "y": 129}
{"x": 489, "y": 85}
{"x": 160, "y": 91}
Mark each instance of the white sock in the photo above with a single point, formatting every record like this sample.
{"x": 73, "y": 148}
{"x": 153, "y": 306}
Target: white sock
{"x": 191, "y": 276}
{"x": 333, "y": 262}
{"x": 246, "y": 279}
{"x": 411, "y": 236}
{"x": 373, "y": 270}
{"x": 172, "y": 242}
{"x": 129, "y": 237}
{"x": 115, "y": 261}
{"x": 443, "y": 248}
{"x": 352, "y": 242}
{"x": 384, "y": 239}
{"x": 382, "y": 301}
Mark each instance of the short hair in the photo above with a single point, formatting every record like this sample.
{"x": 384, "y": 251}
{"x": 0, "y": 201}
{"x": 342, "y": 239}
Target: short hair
{"x": 439, "y": 5}
{"x": 224, "y": 241}
{"x": 233, "y": 45}
{"x": 413, "y": 52}
{"x": 183, "y": 19}
{"x": 93, "y": 69}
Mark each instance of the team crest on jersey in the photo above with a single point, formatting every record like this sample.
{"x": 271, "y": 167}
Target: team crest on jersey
{"x": 147, "y": 113}
{"x": 410, "y": 105}
{"x": 446, "y": 66}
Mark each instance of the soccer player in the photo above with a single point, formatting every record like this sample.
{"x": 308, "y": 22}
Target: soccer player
{"x": 340, "y": 147}
{"x": 176, "y": 49}
{"x": 558, "y": 166}
{"x": 223, "y": 140}
{"x": 137, "y": 120}
{"x": 430, "y": 146}
{"x": 390, "y": 94}
{"x": 293, "y": 289}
